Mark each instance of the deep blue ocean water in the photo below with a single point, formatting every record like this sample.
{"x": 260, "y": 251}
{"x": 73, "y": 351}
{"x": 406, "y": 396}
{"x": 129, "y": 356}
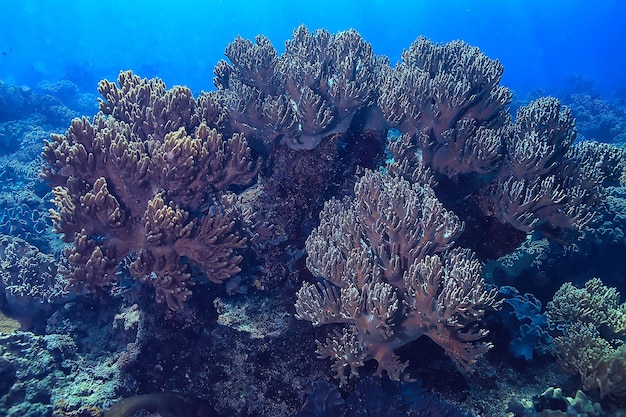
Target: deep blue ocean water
{"x": 542, "y": 43}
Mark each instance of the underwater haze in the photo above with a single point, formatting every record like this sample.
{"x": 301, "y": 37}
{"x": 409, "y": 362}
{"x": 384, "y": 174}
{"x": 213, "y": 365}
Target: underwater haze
{"x": 541, "y": 43}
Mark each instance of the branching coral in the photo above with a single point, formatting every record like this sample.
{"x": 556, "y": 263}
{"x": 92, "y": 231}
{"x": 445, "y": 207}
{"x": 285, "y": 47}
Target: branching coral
{"x": 447, "y": 101}
{"x": 313, "y": 90}
{"x": 594, "y": 304}
{"x": 309, "y": 113}
{"x": 597, "y": 119}
{"x": 148, "y": 177}
{"x": 390, "y": 277}
{"x": 600, "y": 363}
{"x": 593, "y": 323}
{"x": 546, "y": 182}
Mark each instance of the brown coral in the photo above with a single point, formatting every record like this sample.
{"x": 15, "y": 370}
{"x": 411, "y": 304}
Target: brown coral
{"x": 446, "y": 102}
{"x": 311, "y": 91}
{"x": 391, "y": 278}
{"x": 446, "y": 99}
{"x": 148, "y": 177}
{"x": 546, "y": 182}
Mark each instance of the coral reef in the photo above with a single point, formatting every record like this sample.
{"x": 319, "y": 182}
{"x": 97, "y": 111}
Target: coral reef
{"x": 29, "y": 116}
{"x": 23, "y": 214}
{"x": 375, "y": 398}
{"x": 50, "y": 106}
{"x": 390, "y": 278}
{"x": 369, "y": 194}
{"x": 597, "y": 119}
{"x": 14, "y": 101}
{"x": 149, "y": 178}
{"x": 66, "y": 369}
{"x": 246, "y": 357}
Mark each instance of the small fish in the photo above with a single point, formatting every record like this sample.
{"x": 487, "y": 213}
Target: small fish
{"x": 4, "y": 53}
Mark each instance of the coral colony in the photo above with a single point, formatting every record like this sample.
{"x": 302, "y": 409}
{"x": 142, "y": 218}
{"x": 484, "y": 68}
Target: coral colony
{"x": 324, "y": 185}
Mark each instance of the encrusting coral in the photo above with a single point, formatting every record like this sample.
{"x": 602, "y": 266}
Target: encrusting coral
{"x": 149, "y": 178}
{"x": 391, "y": 276}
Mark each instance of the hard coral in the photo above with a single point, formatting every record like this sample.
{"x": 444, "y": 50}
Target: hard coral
{"x": 594, "y": 304}
{"x": 28, "y": 278}
{"x": 148, "y": 177}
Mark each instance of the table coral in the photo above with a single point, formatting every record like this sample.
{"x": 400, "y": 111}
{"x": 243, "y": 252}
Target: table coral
{"x": 149, "y": 178}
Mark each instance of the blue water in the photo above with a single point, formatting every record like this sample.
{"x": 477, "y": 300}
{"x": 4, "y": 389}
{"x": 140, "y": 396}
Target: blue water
{"x": 542, "y": 43}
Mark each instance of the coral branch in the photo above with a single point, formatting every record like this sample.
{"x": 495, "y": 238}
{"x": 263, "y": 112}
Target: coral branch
{"x": 311, "y": 91}
{"x": 457, "y": 117}
{"x": 388, "y": 250}
{"x": 148, "y": 177}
